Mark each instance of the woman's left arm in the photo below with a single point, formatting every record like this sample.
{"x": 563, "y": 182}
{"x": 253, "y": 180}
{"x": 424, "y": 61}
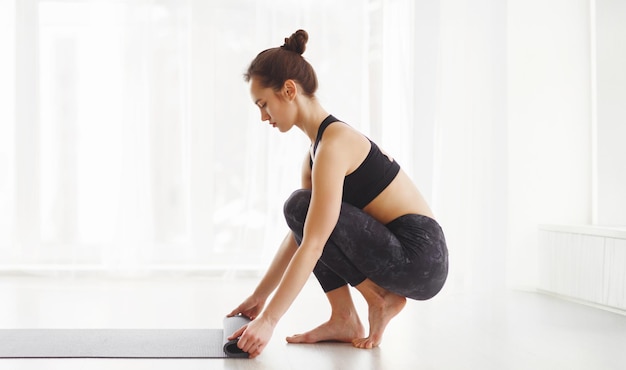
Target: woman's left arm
{"x": 329, "y": 170}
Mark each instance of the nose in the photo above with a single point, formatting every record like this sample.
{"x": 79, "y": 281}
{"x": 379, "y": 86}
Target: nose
{"x": 264, "y": 115}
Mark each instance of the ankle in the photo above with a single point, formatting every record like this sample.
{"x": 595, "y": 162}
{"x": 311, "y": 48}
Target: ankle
{"x": 376, "y": 296}
{"x": 372, "y": 292}
{"x": 346, "y": 315}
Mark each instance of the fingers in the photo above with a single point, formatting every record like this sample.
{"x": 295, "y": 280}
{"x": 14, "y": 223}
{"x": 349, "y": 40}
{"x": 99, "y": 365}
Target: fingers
{"x": 236, "y": 311}
{"x": 255, "y": 351}
{"x": 245, "y": 310}
{"x": 254, "y": 337}
{"x": 249, "y": 315}
{"x": 238, "y": 333}
{"x": 253, "y": 348}
{"x": 252, "y": 345}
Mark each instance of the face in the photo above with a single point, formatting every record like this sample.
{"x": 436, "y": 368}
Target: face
{"x": 274, "y": 106}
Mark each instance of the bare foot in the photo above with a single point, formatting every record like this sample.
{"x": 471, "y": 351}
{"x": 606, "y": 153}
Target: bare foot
{"x": 383, "y": 306}
{"x": 336, "y": 329}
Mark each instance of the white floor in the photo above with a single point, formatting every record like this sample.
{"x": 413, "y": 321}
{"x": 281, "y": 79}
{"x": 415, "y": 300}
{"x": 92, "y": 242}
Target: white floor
{"x": 456, "y": 330}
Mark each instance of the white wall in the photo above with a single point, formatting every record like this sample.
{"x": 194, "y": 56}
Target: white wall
{"x": 549, "y": 124}
{"x": 610, "y": 27}
{"x": 7, "y": 110}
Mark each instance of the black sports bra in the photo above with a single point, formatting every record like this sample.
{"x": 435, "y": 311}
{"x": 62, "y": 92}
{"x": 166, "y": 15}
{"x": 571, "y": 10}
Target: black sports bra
{"x": 372, "y": 176}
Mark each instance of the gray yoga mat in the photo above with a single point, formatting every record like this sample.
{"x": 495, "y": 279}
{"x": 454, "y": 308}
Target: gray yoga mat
{"x": 122, "y": 343}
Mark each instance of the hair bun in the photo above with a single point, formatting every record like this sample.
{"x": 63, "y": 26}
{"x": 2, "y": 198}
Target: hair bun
{"x": 296, "y": 42}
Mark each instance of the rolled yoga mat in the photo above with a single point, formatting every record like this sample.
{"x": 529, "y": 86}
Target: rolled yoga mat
{"x": 123, "y": 343}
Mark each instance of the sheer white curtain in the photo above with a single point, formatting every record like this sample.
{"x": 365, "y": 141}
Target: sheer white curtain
{"x": 471, "y": 164}
{"x": 129, "y": 140}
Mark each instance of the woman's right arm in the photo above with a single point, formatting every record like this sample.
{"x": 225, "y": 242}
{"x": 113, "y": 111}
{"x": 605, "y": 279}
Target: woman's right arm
{"x": 253, "y": 305}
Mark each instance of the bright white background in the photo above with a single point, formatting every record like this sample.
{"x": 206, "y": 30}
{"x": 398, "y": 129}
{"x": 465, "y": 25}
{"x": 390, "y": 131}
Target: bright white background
{"x": 129, "y": 144}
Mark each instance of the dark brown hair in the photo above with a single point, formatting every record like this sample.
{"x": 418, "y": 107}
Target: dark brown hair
{"x": 276, "y": 65}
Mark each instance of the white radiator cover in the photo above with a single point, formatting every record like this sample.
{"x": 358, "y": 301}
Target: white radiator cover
{"x": 585, "y": 263}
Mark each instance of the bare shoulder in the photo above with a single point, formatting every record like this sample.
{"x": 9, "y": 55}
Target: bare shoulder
{"x": 340, "y": 132}
{"x": 344, "y": 144}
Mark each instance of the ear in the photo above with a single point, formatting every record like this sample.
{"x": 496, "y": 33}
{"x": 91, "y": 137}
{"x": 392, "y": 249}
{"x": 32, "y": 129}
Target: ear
{"x": 290, "y": 89}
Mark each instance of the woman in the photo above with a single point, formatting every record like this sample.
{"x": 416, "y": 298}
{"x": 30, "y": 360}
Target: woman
{"x": 357, "y": 220}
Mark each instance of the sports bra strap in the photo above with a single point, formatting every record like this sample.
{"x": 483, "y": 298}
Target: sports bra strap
{"x": 327, "y": 121}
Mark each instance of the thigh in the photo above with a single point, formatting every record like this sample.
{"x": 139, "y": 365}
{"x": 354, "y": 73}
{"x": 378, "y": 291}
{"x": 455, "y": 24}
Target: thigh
{"x": 372, "y": 248}
{"x": 366, "y": 242}
{"x": 407, "y": 256}
{"x": 357, "y": 238}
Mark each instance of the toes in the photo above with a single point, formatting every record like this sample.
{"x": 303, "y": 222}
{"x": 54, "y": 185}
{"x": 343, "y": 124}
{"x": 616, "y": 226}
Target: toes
{"x": 298, "y": 338}
{"x": 360, "y": 343}
{"x": 364, "y": 343}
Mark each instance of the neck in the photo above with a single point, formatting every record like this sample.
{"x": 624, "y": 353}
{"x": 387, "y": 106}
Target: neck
{"x": 311, "y": 116}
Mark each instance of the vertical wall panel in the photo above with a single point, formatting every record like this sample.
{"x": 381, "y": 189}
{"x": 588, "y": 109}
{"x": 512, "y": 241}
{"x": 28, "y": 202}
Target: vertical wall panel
{"x": 614, "y": 288}
{"x": 586, "y": 264}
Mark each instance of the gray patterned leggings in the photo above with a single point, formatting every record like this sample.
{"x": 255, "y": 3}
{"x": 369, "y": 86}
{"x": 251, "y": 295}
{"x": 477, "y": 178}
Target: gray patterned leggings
{"x": 408, "y": 256}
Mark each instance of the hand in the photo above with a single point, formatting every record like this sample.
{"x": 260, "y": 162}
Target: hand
{"x": 251, "y": 307}
{"x": 254, "y": 336}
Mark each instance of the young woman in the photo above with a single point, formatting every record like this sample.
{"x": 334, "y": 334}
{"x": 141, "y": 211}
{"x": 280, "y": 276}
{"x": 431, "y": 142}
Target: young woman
{"x": 357, "y": 220}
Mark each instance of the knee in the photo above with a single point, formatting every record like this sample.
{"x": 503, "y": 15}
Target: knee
{"x": 296, "y": 208}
